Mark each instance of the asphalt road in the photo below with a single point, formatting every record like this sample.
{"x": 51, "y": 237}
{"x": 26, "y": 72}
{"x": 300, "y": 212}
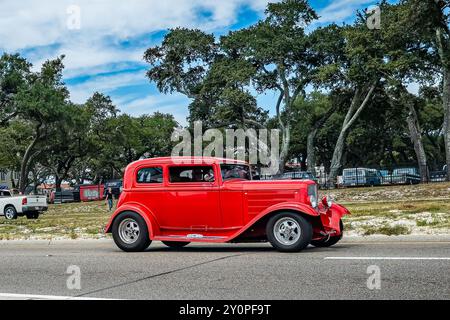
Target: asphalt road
{"x": 409, "y": 269}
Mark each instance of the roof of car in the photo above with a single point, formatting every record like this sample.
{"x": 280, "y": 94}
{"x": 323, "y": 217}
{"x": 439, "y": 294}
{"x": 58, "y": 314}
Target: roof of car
{"x": 187, "y": 160}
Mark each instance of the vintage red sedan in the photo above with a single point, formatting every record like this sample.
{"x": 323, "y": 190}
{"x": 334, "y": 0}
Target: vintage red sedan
{"x": 183, "y": 200}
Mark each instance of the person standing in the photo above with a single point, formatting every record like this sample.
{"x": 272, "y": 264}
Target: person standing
{"x": 109, "y": 197}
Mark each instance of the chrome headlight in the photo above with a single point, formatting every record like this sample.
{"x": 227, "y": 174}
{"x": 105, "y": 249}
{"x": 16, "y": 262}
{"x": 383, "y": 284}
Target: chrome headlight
{"x": 313, "y": 195}
{"x": 313, "y": 201}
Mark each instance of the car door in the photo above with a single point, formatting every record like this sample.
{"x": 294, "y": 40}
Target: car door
{"x": 191, "y": 200}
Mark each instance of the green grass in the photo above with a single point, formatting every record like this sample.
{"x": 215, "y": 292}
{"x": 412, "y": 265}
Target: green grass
{"x": 387, "y": 230}
{"x": 394, "y": 209}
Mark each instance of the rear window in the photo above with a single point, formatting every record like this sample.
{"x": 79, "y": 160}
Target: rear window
{"x": 191, "y": 174}
{"x": 235, "y": 171}
{"x": 150, "y": 175}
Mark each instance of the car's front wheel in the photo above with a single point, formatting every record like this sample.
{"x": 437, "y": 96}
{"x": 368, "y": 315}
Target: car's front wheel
{"x": 175, "y": 244}
{"x": 10, "y": 213}
{"x": 130, "y": 232}
{"x": 289, "y": 232}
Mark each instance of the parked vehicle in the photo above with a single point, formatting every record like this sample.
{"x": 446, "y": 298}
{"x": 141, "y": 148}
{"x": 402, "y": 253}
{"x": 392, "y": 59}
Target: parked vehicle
{"x": 16, "y": 206}
{"x": 91, "y": 192}
{"x": 65, "y": 196}
{"x": 183, "y": 200}
{"x": 438, "y": 176}
{"x": 405, "y": 176}
{"x": 361, "y": 177}
{"x": 5, "y": 193}
{"x": 296, "y": 175}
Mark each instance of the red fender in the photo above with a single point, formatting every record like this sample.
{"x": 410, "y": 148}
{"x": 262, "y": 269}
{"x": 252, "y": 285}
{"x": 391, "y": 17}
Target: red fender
{"x": 147, "y": 215}
{"x": 332, "y": 217}
{"x": 285, "y": 206}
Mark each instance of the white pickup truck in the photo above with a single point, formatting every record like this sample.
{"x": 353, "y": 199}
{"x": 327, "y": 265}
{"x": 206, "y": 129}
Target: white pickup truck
{"x": 17, "y": 206}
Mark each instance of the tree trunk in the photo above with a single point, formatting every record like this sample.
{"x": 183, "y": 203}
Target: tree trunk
{"x": 355, "y": 110}
{"x": 311, "y": 140}
{"x": 58, "y": 182}
{"x": 285, "y": 148}
{"x": 416, "y": 137}
{"x": 311, "y": 150}
{"x": 23, "y": 182}
{"x": 336, "y": 161}
{"x": 446, "y": 128}
{"x": 13, "y": 181}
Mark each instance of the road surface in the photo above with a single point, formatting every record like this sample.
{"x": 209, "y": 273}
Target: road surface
{"x": 407, "y": 269}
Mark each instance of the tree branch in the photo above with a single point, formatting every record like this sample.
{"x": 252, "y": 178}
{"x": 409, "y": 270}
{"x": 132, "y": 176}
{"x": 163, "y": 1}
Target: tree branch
{"x": 363, "y": 105}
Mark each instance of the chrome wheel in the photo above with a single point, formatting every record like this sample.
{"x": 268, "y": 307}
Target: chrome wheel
{"x": 10, "y": 213}
{"x": 129, "y": 231}
{"x": 287, "y": 231}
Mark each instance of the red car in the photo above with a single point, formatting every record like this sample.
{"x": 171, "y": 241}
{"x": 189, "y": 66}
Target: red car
{"x": 183, "y": 200}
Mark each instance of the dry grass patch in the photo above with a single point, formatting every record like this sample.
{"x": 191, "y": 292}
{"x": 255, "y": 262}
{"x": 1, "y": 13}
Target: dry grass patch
{"x": 67, "y": 221}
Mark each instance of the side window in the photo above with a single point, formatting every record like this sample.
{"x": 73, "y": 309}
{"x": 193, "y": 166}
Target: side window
{"x": 236, "y": 171}
{"x": 191, "y": 174}
{"x": 150, "y": 175}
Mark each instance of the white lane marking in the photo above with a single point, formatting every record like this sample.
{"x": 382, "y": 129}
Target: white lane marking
{"x": 42, "y": 297}
{"x": 387, "y": 258}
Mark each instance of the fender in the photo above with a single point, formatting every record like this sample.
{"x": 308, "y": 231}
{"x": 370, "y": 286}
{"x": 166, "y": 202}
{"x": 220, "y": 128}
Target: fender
{"x": 289, "y": 206}
{"x": 331, "y": 218}
{"x": 147, "y": 215}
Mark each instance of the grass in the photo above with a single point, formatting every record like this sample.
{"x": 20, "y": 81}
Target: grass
{"x": 394, "y": 209}
{"x": 387, "y": 230}
{"x": 401, "y": 210}
{"x": 68, "y": 221}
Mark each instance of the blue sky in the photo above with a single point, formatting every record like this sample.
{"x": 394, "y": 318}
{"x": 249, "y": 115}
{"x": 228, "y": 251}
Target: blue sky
{"x": 104, "y": 51}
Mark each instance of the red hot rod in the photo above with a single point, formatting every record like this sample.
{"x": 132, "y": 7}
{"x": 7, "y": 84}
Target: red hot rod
{"x": 183, "y": 200}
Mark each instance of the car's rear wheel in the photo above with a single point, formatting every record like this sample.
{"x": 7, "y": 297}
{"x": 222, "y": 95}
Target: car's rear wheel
{"x": 130, "y": 232}
{"x": 330, "y": 241}
{"x": 10, "y": 213}
{"x": 175, "y": 244}
{"x": 289, "y": 232}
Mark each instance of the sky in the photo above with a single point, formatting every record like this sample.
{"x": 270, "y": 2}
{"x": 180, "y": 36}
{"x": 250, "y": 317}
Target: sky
{"x": 104, "y": 40}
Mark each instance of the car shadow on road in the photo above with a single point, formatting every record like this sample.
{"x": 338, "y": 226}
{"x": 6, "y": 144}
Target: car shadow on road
{"x": 241, "y": 248}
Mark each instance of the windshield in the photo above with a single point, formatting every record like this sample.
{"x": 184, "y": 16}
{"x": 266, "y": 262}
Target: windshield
{"x": 235, "y": 171}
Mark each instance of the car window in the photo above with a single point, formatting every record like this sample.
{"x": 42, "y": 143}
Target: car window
{"x": 191, "y": 174}
{"x": 150, "y": 175}
{"x": 235, "y": 171}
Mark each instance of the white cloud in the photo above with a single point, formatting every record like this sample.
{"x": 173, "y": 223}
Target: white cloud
{"x": 39, "y": 29}
{"x": 341, "y": 10}
{"x": 42, "y": 26}
{"x": 31, "y": 23}
{"x": 174, "y": 104}
{"x": 79, "y": 93}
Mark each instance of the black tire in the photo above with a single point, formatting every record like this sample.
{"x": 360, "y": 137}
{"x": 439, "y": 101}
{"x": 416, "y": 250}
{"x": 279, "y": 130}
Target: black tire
{"x": 32, "y": 215}
{"x": 139, "y": 242}
{"x": 331, "y": 241}
{"x": 304, "y": 232}
{"x": 10, "y": 213}
{"x": 175, "y": 244}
